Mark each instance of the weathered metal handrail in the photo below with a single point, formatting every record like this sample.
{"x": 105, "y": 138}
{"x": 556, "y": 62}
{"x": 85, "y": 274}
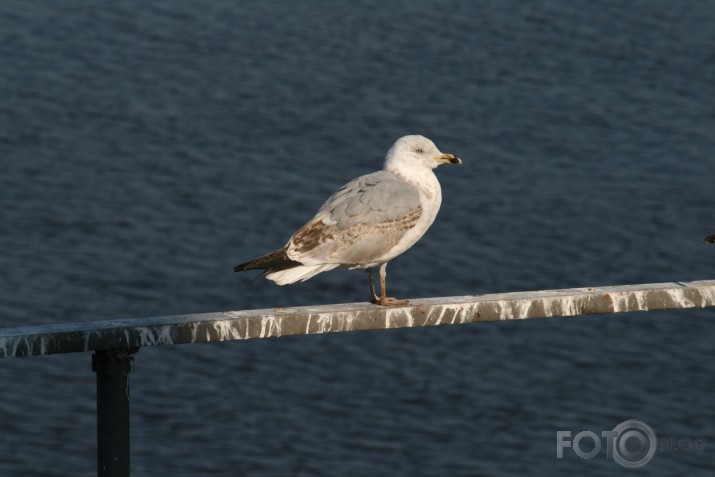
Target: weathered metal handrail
{"x": 266, "y": 323}
{"x": 113, "y": 342}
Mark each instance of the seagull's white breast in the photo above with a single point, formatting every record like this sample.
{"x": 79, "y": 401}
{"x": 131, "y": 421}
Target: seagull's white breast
{"x": 430, "y": 200}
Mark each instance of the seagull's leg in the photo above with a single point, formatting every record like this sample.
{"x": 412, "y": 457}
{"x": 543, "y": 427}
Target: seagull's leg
{"x": 373, "y": 295}
{"x": 384, "y": 299}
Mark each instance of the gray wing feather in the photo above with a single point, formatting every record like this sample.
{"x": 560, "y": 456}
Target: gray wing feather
{"x": 359, "y": 223}
{"x": 376, "y": 198}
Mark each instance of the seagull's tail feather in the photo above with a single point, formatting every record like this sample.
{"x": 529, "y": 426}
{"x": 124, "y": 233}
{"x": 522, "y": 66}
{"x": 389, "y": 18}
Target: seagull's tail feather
{"x": 298, "y": 274}
{"x": 274, "y": 261}
{"x": 710, "y": 238}
{"x": 279, "y": 268}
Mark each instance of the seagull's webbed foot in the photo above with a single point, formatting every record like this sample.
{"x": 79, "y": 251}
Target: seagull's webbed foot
{"x": 390, "y": 301}
{"x": 383, "y": 299}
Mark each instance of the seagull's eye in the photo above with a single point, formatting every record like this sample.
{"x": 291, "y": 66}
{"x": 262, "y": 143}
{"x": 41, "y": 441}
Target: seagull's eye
{"x": 419, "y": 150}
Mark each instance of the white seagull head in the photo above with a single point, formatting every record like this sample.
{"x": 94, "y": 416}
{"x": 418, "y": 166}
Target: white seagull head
{"x": 417, "y": 152}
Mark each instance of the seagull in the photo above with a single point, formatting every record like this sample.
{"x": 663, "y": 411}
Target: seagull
{"x": 710, "y": 238}
{"x": 367, "y": 222}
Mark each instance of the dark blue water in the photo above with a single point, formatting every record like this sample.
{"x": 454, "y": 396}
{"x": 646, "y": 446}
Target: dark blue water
{"x": 148, "y": 147}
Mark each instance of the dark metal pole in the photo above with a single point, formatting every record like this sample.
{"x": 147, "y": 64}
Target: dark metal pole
{"x": 113, "y": 368}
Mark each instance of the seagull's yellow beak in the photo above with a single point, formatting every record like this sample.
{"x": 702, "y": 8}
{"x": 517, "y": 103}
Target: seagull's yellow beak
{"x": 448, "y": 159}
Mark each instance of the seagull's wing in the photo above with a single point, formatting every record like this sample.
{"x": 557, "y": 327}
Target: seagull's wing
{"x": 360, "y": 223}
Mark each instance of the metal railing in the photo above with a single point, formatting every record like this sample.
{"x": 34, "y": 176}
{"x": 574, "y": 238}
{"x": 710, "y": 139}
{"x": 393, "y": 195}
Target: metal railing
{"x": 114, "y": 342}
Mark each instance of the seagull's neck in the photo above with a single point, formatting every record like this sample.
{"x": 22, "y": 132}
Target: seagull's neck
{"x": 421, "y": 177}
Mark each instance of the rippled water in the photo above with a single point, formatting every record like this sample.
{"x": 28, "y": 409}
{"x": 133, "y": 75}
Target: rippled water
{"x": 147, "y": 148}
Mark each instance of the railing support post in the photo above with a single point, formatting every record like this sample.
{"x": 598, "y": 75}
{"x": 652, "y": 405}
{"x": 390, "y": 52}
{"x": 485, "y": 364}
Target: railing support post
{"x": 113, "y": 368}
